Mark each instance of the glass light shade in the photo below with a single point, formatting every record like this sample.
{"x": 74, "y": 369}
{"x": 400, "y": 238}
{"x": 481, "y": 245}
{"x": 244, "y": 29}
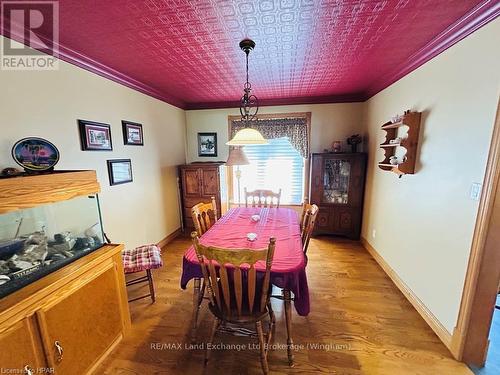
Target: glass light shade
{"x": 237, "y": 157}
{"x": 247, "y": 136}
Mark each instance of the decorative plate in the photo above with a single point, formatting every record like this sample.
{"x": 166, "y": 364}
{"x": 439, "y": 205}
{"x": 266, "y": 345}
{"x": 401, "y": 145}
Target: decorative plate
{"x": 35, "y": 154}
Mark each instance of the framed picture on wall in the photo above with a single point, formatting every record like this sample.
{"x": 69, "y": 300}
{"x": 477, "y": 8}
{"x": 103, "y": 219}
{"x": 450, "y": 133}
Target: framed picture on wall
{"x": 95, "y": 136}
{"x": 119, "y": 171}
{"x": 207, "y": 144}
{"x": 132, "y": 133}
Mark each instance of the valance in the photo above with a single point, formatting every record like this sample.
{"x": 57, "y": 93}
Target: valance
{"x": 295, "y": 129}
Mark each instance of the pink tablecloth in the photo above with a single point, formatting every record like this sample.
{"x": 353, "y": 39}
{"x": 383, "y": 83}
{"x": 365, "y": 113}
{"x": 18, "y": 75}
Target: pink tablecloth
{"x": 288, "y": 269}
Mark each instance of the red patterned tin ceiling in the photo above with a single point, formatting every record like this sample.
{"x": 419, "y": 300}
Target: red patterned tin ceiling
{"x": 186, "y": 52}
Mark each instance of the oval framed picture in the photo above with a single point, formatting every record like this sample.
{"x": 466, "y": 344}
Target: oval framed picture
{"x": 35, "y": 154}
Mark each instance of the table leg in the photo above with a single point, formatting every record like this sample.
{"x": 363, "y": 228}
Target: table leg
{"x": 288, "y": 317}
{"x": 196, "y": 308}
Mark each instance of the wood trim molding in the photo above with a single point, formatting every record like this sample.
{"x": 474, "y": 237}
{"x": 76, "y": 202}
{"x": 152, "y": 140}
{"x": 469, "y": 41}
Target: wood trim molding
{"x": 172, "y": 236}
{"x": 485, "y": 211}
{"x": 424, "y": 312}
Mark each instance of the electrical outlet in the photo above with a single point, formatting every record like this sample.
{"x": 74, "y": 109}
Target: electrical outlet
{"x": 374, "y": 233}
{"x": 475, "y": 191}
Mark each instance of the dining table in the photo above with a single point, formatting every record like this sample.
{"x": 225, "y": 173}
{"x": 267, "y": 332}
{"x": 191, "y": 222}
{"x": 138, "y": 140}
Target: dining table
{"x": 288, "y": 270}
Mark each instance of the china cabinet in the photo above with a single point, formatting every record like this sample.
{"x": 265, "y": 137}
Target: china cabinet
{"x": 337, "y": 187}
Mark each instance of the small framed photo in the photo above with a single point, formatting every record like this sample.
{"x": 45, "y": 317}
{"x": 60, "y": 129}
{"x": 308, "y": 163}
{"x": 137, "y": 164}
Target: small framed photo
{"x": 119, "y": 171}
{"x": 207, "y": 144}
{"x": 132, "y": 133}
{"x": 95, "y": 136}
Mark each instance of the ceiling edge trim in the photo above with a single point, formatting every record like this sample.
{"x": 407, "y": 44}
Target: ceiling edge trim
{"x": 82, "y": 61}
{"x": 330, "y": 99}
{"x": 479, "y": 16}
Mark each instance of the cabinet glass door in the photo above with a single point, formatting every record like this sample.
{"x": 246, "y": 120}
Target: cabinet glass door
{"x": 336, "y": 178}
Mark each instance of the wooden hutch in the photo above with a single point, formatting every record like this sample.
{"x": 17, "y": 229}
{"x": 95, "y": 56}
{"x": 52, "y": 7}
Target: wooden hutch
{"x": 337, "y": 186}
{"x": 198, "y": 183}
{"x": 67, "y": 321}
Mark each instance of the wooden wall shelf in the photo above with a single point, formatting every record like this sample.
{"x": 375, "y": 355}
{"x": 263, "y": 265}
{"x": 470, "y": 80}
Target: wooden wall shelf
{"x": 410, "y": 144}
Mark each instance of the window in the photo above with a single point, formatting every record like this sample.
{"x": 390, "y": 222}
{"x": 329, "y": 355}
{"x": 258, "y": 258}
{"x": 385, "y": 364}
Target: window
{"x": 276, "y": 165}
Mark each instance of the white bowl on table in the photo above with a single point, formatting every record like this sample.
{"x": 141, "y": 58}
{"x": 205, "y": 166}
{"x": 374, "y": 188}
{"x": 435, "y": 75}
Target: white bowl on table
{"x": 251, "y": 236}
{"x": 255, "y": 218}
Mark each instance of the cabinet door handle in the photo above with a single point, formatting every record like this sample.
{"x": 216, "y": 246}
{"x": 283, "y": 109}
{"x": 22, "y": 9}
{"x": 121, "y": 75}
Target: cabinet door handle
{"x": 60, "y": 351}
{"x": 28, "y": 370}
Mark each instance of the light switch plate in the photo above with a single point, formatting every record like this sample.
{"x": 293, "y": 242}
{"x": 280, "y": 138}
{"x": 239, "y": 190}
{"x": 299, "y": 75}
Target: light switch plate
{"x": 475, "y": 191}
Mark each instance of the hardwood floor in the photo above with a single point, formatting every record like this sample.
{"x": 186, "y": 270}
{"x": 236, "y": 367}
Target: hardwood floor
{"x": 360, "y": 320}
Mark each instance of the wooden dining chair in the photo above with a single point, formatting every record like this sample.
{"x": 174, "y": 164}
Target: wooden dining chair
{"x": 262, "y": 198}
{"x": 308, "y": 220}
{"x": 237, "y": 295}
{"x": 204, "y": 216}
{"x": 305, "y": 206}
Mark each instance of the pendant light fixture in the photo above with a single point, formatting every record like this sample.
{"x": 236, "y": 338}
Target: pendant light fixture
{"x": 248, "y": 108}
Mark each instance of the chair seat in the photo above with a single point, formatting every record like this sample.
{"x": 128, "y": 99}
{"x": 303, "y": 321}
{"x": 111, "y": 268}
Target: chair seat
{"x": 246, "y": 317}
{"x": 142, "y": 258}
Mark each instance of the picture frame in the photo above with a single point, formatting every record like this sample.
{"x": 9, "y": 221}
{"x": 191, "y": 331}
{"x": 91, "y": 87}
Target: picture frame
{"x": 95, "y": 136}
{"x": 207, "y": 144}
{"x": 119, "y": 171}
{"x": 132, "y": 133}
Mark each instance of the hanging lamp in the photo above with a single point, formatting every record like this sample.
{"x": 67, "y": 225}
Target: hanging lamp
{"x": 248, "y": 108}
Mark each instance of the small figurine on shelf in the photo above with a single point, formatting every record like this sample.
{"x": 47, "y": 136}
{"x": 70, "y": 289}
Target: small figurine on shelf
{"x": 337, "y": 146}
{"x": 393, "y": 160}
{"x": 354, "y": 140}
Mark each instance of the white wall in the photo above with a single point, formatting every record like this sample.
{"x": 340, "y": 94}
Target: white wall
{"x": 329, "y": 122}
{"x": 424, "y": 222}
{"x": 47, "y": 104}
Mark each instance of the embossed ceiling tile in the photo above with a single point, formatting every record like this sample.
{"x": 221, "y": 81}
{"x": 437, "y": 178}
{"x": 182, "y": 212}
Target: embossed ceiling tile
{"x": 188, "y": 49}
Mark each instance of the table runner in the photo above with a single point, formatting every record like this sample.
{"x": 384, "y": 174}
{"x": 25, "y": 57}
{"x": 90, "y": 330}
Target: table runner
{"x": 288, "y": 269}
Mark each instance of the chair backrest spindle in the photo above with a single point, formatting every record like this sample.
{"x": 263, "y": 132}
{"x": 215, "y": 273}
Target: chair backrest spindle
{"x": 230, "y": 272}
{"x": 308, "y": 220}
{"x": 262, "y": 198}
{"x": 204, "y": 215}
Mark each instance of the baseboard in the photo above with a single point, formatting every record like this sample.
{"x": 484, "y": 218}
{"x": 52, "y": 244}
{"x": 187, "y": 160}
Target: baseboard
{"x": 424, "y": 312}
{"x": 172, "y": 236}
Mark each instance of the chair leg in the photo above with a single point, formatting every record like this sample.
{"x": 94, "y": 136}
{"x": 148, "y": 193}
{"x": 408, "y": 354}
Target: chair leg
{"x": 263, "y": 354}
{"x": 288, "y": 319}
{"x": 151, "y": 285}
{"x": 196, "y": 308}
{"x": 215, "y": 325}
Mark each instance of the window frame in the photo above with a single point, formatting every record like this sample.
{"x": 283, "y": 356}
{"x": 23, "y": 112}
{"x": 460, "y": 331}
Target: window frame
{"x": 274, "y": 116}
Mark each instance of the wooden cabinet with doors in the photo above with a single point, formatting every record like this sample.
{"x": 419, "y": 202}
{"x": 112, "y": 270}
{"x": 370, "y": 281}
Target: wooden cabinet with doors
{"x": 199, "y": 182}
{"x": 337, "y": 186}
{"x": 68, "y": 320}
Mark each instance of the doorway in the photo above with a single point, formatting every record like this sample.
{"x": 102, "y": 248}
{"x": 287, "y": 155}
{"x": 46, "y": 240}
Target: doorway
{"x": 471, "y": 338}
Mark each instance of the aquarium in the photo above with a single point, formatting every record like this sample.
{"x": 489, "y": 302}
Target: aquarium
{"x": 37, "y": 241}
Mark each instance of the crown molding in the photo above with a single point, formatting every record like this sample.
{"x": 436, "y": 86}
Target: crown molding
{"x": 82, "y": 61}
{"x": 348, "y": 98}
{"x": 479, "y": 16}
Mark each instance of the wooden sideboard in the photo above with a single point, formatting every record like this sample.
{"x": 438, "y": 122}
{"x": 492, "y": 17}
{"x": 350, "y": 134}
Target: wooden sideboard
{"x": 81, "y": 308}
{"x": 337, "y": 186}
{"x": 67, "y": 321}
{"x": 198, "y": 183}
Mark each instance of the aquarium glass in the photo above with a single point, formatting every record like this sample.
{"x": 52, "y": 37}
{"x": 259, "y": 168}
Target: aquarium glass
{"x": 37, "y": 241}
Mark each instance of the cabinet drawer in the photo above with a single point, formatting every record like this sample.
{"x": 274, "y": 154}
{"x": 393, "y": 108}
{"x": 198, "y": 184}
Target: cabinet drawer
{"x": 83, "y": 321}
{"x": 20, "y": 347}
